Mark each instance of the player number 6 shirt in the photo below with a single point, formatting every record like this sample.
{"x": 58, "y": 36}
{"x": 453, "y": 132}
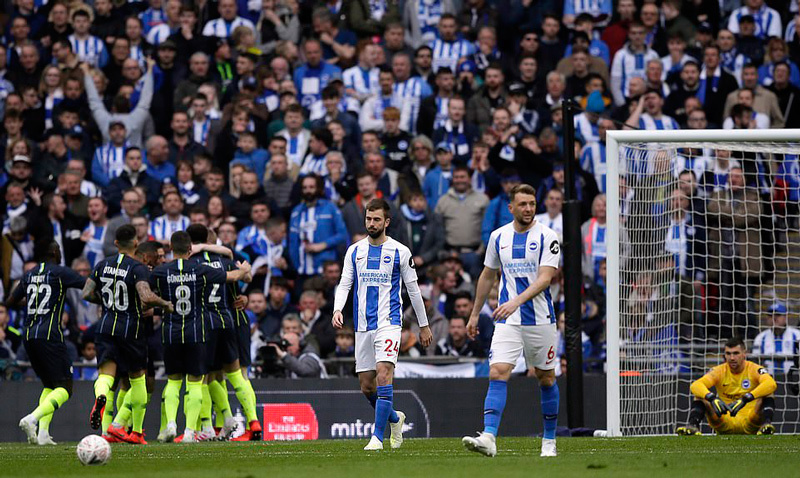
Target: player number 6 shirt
{"x": 519, "y": 257}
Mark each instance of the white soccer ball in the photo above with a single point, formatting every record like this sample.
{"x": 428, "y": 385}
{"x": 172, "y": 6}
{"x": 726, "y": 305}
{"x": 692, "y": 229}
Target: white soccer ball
{"x": 94, "y": 450}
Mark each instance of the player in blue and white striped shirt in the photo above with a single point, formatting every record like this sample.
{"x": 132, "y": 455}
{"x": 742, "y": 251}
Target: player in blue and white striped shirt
{"x": 526, "y": 255}
{"x": 374, "y": 269}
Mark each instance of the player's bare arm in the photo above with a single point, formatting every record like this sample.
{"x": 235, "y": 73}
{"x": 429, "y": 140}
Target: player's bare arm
{"x": 240, "y": 303}
{"x": 338, "y": 319}
{"x": 149, "y": 298}
{"x": 240, "y": 273}
{"x": 89, "y": 293}
{"x": 213, "y": 248}
{"x": 542, "y": 282}
{"x": 485, "y": 283}
{"x": 12, "y": 301}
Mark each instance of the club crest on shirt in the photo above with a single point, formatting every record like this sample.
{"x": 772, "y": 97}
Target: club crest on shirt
{"x": 745, "y": 383}
{"x": 554, "y": 247}
{"x": 387, "y": 259}
{"x": 533, "y": 246}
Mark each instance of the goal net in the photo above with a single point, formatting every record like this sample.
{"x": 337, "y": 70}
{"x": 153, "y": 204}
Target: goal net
{"x": 703, "y": 244}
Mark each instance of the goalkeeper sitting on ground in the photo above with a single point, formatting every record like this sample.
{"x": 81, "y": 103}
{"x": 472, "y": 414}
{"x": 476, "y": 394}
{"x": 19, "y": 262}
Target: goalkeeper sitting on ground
{"x": 743, "y": 402}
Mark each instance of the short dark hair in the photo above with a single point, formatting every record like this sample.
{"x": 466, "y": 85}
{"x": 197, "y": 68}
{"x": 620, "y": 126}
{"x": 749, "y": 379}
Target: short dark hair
{"x": 148, "y": 247}
{"x": 181, "y": 242}
{"x": 734, "y": 342}
{"x": 53, "y": 253}
{"x": 330, "y": 92}
{"x": 522, "y": 189}
{"x": 125, "y": 235}
{"x": 198, "y": 233}
{"x": 322, "y": 134}
{"x": 277, "y": 282}
{"x": 379, "y": 203}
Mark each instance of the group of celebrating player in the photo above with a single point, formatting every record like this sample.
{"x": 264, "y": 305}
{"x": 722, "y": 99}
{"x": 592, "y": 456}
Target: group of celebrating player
{"x": 204, "y": 331}
{"x": 206, "y": 335}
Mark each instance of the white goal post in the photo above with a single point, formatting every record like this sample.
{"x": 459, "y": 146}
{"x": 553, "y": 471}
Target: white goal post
{"x": 649, "y": 399}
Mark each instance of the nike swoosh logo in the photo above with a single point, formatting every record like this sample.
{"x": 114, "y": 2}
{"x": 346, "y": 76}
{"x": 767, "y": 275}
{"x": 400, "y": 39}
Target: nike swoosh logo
{"x": 503, "y": 247}
{"x": 549, "y": 362}
{"x": 360, "y": 258}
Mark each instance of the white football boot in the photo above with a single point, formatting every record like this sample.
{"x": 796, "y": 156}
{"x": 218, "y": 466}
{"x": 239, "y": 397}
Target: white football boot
{"x": 484, "y": 443}
{"x": 28, "y": 424}
{"x": 374, "y": 444}
{"x": 548, "y": 447}
{"x": 396, "y": 439}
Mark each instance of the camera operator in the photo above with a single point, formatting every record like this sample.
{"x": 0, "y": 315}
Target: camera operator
{"x": 299, "y": 360}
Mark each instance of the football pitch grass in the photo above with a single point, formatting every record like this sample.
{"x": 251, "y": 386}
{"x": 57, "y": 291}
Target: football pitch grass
{"x": 705, "y": 457}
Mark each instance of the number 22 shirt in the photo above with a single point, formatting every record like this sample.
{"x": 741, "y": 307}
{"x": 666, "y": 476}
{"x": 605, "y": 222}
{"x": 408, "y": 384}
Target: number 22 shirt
{"x": 45, "y": 288}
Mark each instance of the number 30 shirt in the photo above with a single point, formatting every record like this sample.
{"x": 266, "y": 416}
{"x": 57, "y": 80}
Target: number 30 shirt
{"x": 519, "y": 255}
{"x": 116, "y": 278}
{"x": 187, "y": 284}
{"x": 45, "y": 288}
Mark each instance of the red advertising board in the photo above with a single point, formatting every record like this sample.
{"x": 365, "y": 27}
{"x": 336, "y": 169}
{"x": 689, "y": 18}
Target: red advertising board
{"x": 290, "y": 421}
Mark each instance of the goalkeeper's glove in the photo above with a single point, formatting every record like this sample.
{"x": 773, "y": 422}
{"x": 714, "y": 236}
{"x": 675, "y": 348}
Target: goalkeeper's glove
{"x": 717, "y": 405}
{"x": 737, "y": 406}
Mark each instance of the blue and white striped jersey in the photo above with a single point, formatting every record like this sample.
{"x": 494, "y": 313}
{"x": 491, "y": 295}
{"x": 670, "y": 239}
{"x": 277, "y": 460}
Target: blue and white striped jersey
{"x": 411, "y": 92}
{"x": 587, "y": 131}
{"x": 91, "y": 50}
{"x": 595, "y": 8}
{"x": 786, "y": 344}
{"x": 519, "y": 256}
{"x": 109, "y": 160}
{"x": 222, "y": 29}
{"x": 376, "y": 273}
{"x": 627, "y": 64}
{"x": 447, "y": 53}
{"x": 664, "y": 122}
{"x": 364, "y": 82}
{"x": 93, "y": 250}
{"x": 768, "y": 21}
{"x": 593, "y": 160}
{"x": 162, "y": 227}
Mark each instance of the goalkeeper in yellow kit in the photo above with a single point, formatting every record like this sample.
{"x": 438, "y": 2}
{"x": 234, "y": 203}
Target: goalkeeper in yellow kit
{"x": 743, "y": 402}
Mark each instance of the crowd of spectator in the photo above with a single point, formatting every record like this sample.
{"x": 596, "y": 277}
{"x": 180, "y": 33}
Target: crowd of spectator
{"x": 275, "y": 122}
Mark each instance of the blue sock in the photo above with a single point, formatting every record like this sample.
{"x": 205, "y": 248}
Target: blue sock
{"x": 383, "y": 408}
{"x": 550, "y": 410}
{"x": 493, "y": 406}
{"x": 393, "y": 418}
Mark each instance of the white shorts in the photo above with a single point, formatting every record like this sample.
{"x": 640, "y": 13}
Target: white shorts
{"x": 373, "y": 346}
{"x": 539, "y": 343}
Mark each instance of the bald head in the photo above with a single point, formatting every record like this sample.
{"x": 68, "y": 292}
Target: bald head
{"x": 157, "y": 150}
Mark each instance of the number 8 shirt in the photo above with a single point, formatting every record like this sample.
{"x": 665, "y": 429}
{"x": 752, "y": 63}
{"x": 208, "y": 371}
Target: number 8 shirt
{"x": 187, "y": 285}
{"x": 519, "y": 257}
